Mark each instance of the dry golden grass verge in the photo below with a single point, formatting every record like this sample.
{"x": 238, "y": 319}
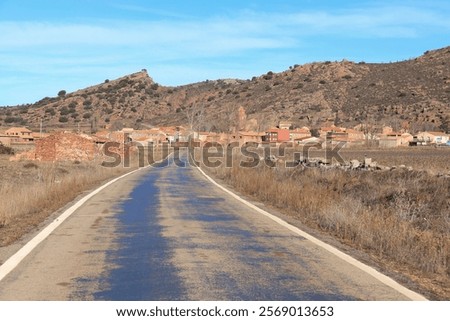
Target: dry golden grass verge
{"x": 30, "y": 191}
{"x": 41, "y": 189}
{"x": 400, "y": 217}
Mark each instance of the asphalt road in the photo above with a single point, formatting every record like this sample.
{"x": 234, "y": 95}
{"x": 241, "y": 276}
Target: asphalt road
{"x": 169, "y": 234}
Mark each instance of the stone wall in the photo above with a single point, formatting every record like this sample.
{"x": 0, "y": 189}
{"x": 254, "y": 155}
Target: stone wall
{"x": 63, "y": 147}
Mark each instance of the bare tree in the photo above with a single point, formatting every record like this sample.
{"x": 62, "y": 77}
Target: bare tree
{"x": 195, "y": 115}
{"x": 226, "y": 120}
{"x": 117, "y": 125}
{"x": 370, "y": 129}
{"x": 395, "y": 124}
{"x": 263, "y": 122}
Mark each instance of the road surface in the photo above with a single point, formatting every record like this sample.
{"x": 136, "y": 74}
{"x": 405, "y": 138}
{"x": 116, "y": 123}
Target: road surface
{"x": 169, "y": 234}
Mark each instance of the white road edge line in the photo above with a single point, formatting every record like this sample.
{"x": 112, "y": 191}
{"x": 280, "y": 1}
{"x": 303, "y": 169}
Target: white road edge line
{"x": 347, "y": 258}
{"x": 12, "y": 262}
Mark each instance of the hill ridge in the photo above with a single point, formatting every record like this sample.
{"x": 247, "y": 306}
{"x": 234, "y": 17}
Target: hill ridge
{"x": 413, "y": 94}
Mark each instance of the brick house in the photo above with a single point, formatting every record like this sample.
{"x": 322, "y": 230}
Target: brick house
{"x": 244, "y": 137}
{"x": 334, "y": 135}
{"x": 395, "y": 139}
{"x": 330, "y": 131}
{"x": 20, "y": 134}
{"x": 355, "y": 134}
{"x": 5, "y": 139}
{"x": 284, "y": 125}
{"x": 154, "y": 135}
{"x": 276, "y": 135}
{"x": 299, "y": 133}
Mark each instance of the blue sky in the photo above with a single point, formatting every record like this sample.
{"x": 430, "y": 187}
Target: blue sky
{"x": 46, "y": 46}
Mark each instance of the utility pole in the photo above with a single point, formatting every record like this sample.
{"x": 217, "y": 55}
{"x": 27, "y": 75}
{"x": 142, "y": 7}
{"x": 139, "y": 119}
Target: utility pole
{"x": 40, "y": 129}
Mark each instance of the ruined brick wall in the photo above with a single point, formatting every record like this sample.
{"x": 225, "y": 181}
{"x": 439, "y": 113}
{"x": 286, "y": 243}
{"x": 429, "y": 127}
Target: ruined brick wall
{"x": 66, "y": 147}
{"x": 74, "y": 147}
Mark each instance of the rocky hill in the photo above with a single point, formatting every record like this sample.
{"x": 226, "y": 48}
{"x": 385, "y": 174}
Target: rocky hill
{"x": 413, "y": 94}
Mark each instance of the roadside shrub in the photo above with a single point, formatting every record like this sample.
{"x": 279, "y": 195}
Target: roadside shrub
{"x": 6, "y": 150}
{"x": 30, "y": 165}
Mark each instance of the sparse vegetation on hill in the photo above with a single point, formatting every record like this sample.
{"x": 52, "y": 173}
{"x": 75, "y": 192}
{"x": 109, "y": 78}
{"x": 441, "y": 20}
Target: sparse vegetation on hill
{"x": 413, "y": 94}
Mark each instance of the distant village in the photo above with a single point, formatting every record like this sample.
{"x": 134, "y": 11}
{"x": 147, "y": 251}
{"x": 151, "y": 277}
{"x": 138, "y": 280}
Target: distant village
{"x": 69, "y": 145}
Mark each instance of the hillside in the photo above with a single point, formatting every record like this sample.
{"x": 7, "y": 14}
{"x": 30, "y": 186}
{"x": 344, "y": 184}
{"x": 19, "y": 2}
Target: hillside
{"x": 413, "y": 94}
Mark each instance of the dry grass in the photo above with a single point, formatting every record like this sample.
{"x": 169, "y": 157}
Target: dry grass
{"x": 31, "y": 191}
{"x": 399, "y": 216}
{"x": 37, "y": 189}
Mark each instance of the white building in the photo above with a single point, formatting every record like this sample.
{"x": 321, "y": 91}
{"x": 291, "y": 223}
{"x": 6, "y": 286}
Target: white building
{"x": 433, "y": 137}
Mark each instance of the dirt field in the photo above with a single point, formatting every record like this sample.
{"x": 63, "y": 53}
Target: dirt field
{"x": 434, "y": 160}
{"x": 431, "y": 159}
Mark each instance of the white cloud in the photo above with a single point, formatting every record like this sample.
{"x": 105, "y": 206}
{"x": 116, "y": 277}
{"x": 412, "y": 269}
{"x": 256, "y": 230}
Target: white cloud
{"x": 142, "y": 9}
{"x": 60, "y": 49}
{"x": 378, "y": 22}
{"x": 227, "y": 34}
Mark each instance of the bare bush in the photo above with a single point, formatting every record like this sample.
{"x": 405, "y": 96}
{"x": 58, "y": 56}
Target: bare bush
{"x": 6, "y": 150}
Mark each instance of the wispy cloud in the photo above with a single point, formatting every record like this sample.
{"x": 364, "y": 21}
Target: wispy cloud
{"x": 368, "y": 22}
{"x": 244, "y": 31}
{"x": 149, "y": 10}
{"x": 54, "y": 48}
{"x": 188, "y": 34}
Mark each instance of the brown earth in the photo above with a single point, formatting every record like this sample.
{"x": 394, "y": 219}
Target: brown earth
{"x": 430, "y": 159}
